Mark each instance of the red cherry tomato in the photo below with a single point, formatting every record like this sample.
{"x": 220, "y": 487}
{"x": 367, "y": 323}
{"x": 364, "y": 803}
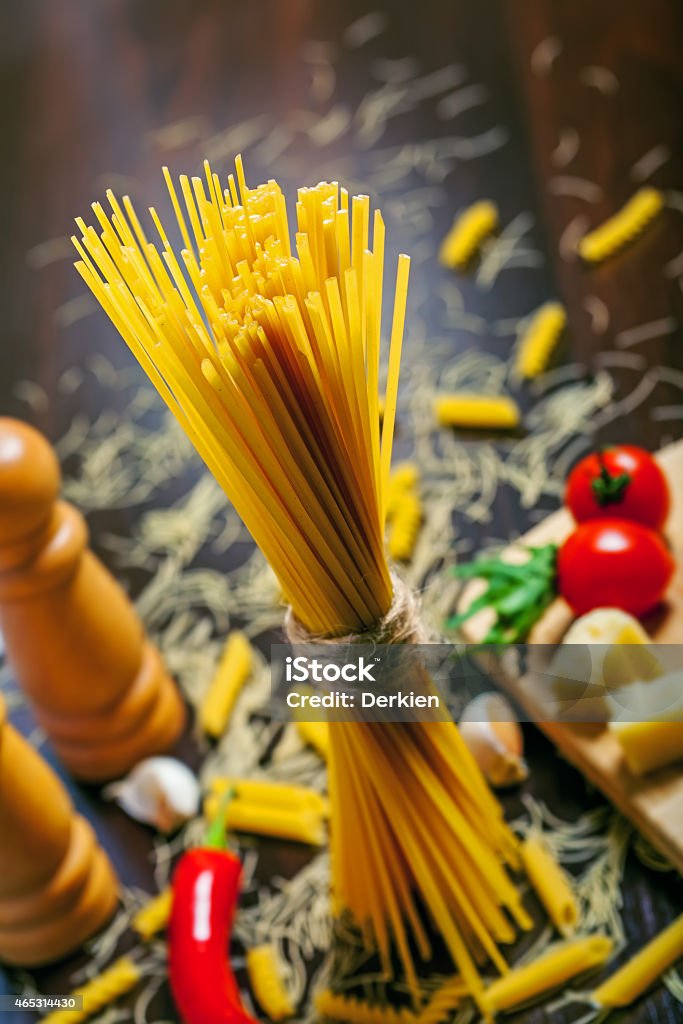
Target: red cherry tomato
{"x": 623, "y": 481}
{"x": 613, "y": 563}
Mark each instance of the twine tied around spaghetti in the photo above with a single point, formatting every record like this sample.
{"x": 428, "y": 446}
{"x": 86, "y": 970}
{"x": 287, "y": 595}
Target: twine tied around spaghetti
{"x": 402, "y": 624}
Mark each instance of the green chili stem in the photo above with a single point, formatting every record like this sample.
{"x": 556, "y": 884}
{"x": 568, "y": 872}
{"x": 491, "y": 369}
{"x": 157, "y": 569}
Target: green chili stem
{"x": 216, "y": 837}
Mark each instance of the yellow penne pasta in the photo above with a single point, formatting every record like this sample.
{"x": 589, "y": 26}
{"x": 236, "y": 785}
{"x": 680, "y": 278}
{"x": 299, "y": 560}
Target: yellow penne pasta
{"x": 642, "y": 970}
{"x": 298, "y": 825}
{"x": 403, "y": 480}
{"x": 104, "y": 989}
{"x": 265, "y": 978}
{"x": 404, "y": 511}
{"x": 540, "y": 338}
{"x": 404, "y": 527}
{"x": 404, "y": 477}
{"x": 316, "y": 735}
{"x": 153, "y": 916}
{"x": 275, "y": 794}
{"x": 551, "y": 884}
{"x": 469, "y": 230}
{"x": 232, "y": 673}
{"x": 623, "y": 227}
{"x": 548, "y": 972}
{"x": 494, "y": 412}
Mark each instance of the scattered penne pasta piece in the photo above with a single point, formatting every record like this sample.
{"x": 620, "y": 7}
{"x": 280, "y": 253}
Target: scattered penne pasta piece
{"x": 300, "y": 825}
{"x": 98, "y": 993}
{"x": 642, "y": 970}
{"x": 469, "y": 230}
{"x": 275, "y": 794}
{"x": 493, "y": 412}
{"x": 623, "y": 227}
{"x": 153, "y": 916}
{"x": 403, "y": 480}
{"x": 316, "y": 735}
{"x": 267, "y": 984}
{"x": 404, "y": 511}
{"x": 404, "y": 477}
{"x": 548, "y": 972}
{"x": 539, "y": 340}
{"x": 551, "y": 884}
{"x": 404, "y": 527}
{"x": 232, "y": 673}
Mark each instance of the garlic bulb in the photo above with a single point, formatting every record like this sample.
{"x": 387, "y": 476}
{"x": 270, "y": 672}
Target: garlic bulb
{"x": 160, "y": 791}
{"x": 492, "y": 734}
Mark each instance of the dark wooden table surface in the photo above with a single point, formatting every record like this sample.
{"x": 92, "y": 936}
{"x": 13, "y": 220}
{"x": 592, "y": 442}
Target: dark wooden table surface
{"x": 558, "y": 111}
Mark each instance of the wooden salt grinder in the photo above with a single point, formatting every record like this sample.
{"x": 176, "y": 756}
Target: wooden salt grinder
{"x": 57, "y": 887}
{"x": 98, "y": 687}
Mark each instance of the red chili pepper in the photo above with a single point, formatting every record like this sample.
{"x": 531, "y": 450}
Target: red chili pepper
{"x": 206, "y": 886}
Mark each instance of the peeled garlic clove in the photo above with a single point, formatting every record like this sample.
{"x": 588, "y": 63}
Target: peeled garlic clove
{"x": 492, "y": 734}
{"x": 160, "y": 791}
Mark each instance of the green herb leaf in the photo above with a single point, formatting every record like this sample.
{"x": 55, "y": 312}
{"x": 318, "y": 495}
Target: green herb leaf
{"x": 522, "y": 597}
{"x": 518, "y": 593}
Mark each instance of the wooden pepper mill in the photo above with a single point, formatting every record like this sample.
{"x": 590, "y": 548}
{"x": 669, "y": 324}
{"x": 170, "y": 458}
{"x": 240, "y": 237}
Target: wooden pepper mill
{"x": 98, "y": 687}
{"x": 57, "y": 887}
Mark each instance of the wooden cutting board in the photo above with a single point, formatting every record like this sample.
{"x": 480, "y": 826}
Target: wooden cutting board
{"x": 655, "y": 803}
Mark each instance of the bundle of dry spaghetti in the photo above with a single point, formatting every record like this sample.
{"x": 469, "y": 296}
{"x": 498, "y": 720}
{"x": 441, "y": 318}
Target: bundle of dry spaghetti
{"x": 269, "y": 358}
